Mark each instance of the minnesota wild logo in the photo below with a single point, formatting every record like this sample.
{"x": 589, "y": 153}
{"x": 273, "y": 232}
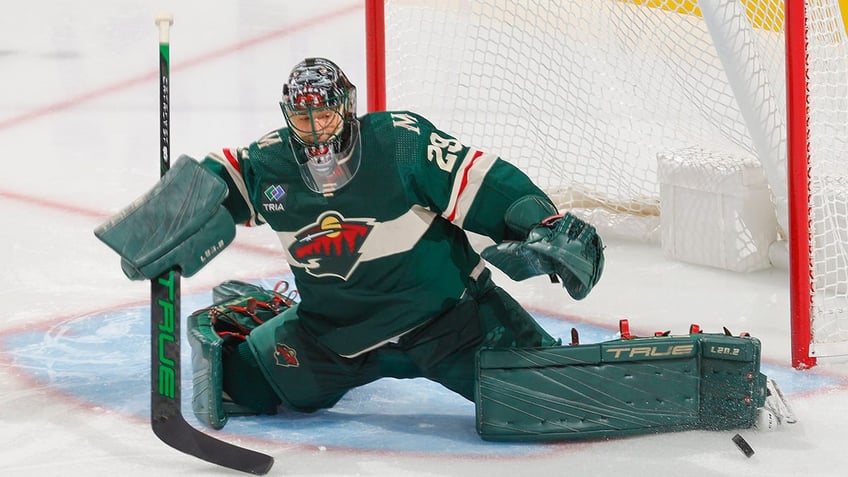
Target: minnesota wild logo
{"x": 330, "y": 246}
{"x": 285, "y": 356}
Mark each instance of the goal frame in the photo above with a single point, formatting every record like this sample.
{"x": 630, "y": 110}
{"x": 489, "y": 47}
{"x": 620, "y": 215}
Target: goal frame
{"x": 798, "y": 147}
{"x": 799, "y": 234}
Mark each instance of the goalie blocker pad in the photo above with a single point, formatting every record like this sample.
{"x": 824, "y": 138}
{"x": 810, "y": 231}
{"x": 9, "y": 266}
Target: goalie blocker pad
{"x": 620, "y": 387}
{"x": 180, "y": 222}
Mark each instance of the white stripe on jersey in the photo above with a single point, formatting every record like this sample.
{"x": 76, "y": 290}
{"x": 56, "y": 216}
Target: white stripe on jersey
{"x": 473, "y": 169}
{"x": 398, "y": 235}
{"x": 238, "y": 180}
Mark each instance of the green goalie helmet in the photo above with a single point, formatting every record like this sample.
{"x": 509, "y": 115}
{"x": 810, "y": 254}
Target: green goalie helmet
{"x": 319, "y": 105}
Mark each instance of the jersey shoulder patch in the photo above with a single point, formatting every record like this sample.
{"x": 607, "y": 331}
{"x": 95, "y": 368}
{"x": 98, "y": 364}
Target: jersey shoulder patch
{"x": 272, "y": 148}
{"x": 272, "y": 139}
{"x": 397, "y": 123}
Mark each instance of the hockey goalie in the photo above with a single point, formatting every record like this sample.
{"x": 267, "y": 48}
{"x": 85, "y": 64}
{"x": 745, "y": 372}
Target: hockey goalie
{"x": 372, "y": 213}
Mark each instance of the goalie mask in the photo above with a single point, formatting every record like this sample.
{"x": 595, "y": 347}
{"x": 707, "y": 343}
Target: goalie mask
{"x": 319, "y": 104}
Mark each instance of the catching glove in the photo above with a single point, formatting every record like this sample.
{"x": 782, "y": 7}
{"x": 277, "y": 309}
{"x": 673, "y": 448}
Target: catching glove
{"x": 562, "y": 246}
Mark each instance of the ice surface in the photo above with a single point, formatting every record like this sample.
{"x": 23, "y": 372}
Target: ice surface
{"x": 78, "y": 133}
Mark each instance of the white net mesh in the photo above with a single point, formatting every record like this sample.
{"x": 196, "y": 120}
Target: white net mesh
{"x": 828, "y": 138}
{"x": 584, "y": 94}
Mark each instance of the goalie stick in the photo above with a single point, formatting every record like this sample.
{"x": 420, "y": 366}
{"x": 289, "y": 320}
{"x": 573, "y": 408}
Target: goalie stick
{"x": 165, "y": 406}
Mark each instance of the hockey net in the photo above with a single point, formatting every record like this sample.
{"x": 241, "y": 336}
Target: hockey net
{"x": 589, "y": 96}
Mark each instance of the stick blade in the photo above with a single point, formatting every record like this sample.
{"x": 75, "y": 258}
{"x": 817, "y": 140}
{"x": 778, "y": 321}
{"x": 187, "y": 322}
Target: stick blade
{"x": 177, "y": 433}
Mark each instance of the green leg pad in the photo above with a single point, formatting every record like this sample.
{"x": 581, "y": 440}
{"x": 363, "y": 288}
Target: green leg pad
{"x": 617, "y": 388}
{"x": 732, "y": 387}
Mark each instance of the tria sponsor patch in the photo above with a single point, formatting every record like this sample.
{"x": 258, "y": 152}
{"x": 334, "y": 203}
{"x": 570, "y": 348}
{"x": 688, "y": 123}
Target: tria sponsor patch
{"x": 274, "y": 198}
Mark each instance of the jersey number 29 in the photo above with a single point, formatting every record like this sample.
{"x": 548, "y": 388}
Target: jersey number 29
{"x": 443, "y": 151}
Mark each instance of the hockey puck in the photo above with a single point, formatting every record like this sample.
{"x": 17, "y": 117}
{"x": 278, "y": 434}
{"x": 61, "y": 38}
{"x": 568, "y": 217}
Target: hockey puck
{"x": 743, "y": 445}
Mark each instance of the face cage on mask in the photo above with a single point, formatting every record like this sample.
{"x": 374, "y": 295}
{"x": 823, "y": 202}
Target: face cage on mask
{"x": 315, "y": 127}
{"x": 326, "y": 169}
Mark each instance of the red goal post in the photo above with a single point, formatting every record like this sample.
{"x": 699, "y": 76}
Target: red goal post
{"x": 629, "y": 84}
{"x": 800, "y": 250}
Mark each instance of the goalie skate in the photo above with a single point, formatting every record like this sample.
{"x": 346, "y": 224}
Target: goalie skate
{"x": 776, "y": 410}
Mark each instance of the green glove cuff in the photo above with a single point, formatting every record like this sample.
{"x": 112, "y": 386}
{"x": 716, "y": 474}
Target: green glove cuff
{"x": 528, "y": 212}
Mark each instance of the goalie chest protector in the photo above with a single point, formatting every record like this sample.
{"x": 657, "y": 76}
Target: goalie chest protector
{"x": 619, "y": 387}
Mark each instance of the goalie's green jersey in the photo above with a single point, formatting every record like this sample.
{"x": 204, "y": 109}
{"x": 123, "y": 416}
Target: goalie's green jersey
{"x": 387, "y": 252}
